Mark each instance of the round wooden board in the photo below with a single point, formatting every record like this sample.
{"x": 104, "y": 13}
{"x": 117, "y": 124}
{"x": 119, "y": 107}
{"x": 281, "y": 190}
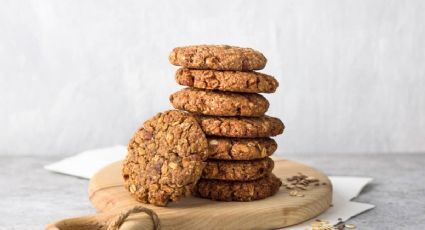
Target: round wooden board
{"x": 109, "y": 197}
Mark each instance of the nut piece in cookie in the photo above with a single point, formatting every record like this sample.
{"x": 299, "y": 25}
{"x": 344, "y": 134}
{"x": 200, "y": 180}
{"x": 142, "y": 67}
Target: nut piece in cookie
{"x": 233, "y": 81}
{"x": 246, "y": 127}
{"x": 238, "y": 190}
{"x": 240, "y": 148}
{"x": 165, "y": 158}
{"x": 219, "y": 103}
{"x": 237, "y": 170}
{"x": 217, "y": 57}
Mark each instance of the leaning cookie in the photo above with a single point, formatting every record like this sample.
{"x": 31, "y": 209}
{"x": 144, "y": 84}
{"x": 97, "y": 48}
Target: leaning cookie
{"x": 238, "y": 190}
{"x": 246, "y": 127}
{"x": 217, "y": 57}
{"x": 237, "y": 170}
{"x": 165, "y": 158}
{"x": 240, "y": 148}
{"x": 233, "y": 81}
{"x": 219, "y": 103}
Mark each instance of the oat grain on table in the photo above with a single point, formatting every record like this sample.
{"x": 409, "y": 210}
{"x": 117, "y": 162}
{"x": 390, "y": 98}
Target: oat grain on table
{"x": 165, "y": 158}
{"x": 217, "y": 57}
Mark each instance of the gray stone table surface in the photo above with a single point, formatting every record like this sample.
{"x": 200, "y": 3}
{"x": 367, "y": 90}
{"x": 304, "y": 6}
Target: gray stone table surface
{"x": 31, "y": 197}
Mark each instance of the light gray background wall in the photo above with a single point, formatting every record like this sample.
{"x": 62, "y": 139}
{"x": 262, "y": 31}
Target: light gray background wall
{"x": 80, "y": 74}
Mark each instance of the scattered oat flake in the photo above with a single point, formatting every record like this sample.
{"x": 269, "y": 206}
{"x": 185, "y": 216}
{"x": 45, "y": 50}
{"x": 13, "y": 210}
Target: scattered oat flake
{"x": 321, "y": 225}
{"x": 350, "y": 226}
{"x": 293, "y": 193}
{"x": 324, "y": 225}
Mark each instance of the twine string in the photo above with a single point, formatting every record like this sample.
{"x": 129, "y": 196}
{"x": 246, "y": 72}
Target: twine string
{"x": 116, "y": 223}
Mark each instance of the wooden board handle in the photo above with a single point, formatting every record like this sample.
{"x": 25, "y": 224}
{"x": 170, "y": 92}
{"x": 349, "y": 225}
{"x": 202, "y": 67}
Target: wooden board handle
{"x": 144, "y": 218}
{"x": 98, "y": 222}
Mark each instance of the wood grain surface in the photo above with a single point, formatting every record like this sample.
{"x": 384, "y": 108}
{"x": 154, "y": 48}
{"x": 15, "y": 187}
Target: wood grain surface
{"x": 109, "y": 197}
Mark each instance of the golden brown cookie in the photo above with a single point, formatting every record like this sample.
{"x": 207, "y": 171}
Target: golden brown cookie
{"x": 234, "y": 81}
{"x": 217, "y": 57}
{"x": 165, "y": 158}
{"x": 237, "y": 170}
{"x": 219, "y": 103}
{"x": 238, "y": 190}
{"x": 264, "y": 126}
{"x": 240, "y": 148}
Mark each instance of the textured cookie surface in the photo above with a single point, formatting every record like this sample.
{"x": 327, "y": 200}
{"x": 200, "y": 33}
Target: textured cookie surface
{"x": 219, "y": 103}
{"x": 165, "y": 158}
{"x": 241, "y": 126}
{"x": 240, "y": 148}
{"x": 237, "y": 170}
{"x": 217, "y": 57}
{"x": 234, "y": 81}
{"x": 238, "y": 190}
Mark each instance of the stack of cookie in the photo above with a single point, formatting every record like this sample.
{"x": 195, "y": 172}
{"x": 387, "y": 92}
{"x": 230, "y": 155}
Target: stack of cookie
{"x": 223, "y": 94}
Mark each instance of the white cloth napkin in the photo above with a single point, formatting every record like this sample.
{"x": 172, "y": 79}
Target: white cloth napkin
{"x": 87, "y": 163}
{"x": 344, "y": 190}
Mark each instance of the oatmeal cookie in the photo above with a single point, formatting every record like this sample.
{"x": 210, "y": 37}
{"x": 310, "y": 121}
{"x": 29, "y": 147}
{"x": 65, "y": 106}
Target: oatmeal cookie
{"x": 238, "y": 190}
{"x": 217, "y": 57}
{"x": 219, "y": 103}
{"x": 240, "y": 148}
{"x": 241, "y": 126}
{"x": 237, "y": 170}
{"x": 233, "y": 81}
{"x": 165, "y": 158}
